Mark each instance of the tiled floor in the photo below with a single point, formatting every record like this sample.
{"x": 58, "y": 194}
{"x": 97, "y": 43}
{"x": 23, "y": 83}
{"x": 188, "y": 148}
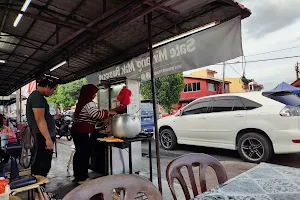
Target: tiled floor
{"x": 61, "y": 180}
{"x": 61, "y": 183}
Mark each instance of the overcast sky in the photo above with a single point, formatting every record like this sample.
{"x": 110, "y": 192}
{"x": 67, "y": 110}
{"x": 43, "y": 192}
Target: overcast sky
{"x": 273, "y": 25}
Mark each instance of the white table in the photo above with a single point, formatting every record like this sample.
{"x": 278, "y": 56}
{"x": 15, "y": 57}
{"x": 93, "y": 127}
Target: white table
{"x": 263, "y": 182}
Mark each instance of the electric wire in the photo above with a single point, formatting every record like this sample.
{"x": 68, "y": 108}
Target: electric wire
{"x": 278, "y": 50}
{"x": 233, "y": 69}
{"x": 264, "y": 60}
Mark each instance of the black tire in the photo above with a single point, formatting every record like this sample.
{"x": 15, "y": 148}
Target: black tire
{"x": 256, "y": 148}
{"x": 171, "y": 137}
{"x": 29, "y": 148}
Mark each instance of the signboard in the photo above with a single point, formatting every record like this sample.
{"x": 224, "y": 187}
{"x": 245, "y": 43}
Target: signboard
{"x": 214, "y": 45}
{"x": 27, "y": 89}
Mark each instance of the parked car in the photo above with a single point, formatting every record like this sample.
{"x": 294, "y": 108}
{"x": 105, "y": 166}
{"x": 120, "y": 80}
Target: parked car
{"x": 256, "y": 124}
{"x": 147, "y": 118}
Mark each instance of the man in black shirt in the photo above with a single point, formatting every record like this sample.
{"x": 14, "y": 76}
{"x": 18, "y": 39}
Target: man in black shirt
{"x": 42, "y": 123}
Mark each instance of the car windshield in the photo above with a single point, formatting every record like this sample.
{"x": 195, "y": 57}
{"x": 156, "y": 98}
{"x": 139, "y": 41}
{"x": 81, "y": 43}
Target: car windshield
{"x": 146, "y": 107}
{"x": 286, "y": 98}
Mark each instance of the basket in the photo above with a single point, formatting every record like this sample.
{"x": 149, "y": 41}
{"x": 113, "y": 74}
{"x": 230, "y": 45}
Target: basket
{"x": 5, "y": 196}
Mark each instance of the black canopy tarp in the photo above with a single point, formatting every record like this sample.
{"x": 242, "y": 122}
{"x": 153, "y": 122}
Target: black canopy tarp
{"x": 92, "y": 34}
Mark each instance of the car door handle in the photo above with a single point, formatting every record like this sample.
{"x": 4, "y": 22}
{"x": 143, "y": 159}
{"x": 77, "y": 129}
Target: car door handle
{"x": 238, "y": 115}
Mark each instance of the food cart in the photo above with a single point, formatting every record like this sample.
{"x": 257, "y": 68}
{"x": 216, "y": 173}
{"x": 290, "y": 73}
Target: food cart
{"x": 126, "y": 157}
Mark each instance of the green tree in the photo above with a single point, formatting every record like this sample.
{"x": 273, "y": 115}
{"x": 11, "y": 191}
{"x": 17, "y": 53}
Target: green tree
{"x": 168, "y": 90}
{"x": 67, "y": 94}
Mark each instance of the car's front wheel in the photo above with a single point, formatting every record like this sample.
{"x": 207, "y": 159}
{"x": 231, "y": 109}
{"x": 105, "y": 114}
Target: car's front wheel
{"x": 254, "y": 147}
{"x": 168, "y": 139}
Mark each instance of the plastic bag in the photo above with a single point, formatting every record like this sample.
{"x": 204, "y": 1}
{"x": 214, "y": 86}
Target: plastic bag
{"x": 124, "y": 96}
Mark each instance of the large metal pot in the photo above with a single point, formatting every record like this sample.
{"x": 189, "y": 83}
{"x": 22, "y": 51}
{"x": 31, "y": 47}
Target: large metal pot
{"x": 125, "y": 126}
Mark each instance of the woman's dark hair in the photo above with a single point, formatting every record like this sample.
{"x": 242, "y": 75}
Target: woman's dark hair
{"x": 48, "y": 82}
{"x": 87, "y": 93}
{"x": 2, "y": 117}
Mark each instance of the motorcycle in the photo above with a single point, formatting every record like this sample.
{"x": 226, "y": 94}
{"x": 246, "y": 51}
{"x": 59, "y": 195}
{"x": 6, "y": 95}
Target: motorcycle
{"x": 63, "y": 126}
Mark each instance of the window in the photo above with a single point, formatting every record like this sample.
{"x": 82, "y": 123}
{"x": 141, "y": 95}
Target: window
{"x": 212, "y": 87}
{"x": 250, "y": 105}
{"x": 192, "y": 87}
{"x": 197, "y": 107}
{"x": 238, "y": 105}
{"x": 146, "y": 108}
{"x": 198, "y": 86}
{"x": 226, "y": 88}
{"x": 222, "y": 105}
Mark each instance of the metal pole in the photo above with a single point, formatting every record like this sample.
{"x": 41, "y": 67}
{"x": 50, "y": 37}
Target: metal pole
{"x": 3, "y": 105}
{"x": 223, "y": 82}
{"x": 149, "y": 16}
{"x": 18, "y": 95}
{"x": 21, "y": 105}
{"x": 150, "y": 160}
{"x": 297, "y": 71}
{"x": 104, "y": 6}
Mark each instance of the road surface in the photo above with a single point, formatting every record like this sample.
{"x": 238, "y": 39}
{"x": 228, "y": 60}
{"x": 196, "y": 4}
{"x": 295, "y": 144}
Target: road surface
{"x": 292, "y": 160}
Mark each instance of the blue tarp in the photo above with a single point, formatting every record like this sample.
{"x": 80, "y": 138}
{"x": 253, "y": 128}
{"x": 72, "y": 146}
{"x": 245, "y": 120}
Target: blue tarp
{"x": 286, "y": 87}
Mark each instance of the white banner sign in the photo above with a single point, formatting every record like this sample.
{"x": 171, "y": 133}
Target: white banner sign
{"x": 214, "y": 45}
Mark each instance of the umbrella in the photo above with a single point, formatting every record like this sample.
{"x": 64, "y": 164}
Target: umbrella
{"x": 286, "y": 87}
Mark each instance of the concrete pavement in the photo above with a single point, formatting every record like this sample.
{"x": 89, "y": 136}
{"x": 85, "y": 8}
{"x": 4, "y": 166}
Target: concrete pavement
{"x": 233, "y": 169}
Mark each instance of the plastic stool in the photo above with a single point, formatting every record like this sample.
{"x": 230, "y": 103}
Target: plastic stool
{"x": 40, "y": 181}
{"x": 73, "y": 150}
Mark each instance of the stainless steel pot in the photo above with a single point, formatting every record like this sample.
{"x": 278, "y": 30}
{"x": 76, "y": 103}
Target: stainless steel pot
{"x": 126, "y": 126}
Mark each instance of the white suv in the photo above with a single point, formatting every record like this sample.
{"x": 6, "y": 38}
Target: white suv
{"x": 256, "y": 124}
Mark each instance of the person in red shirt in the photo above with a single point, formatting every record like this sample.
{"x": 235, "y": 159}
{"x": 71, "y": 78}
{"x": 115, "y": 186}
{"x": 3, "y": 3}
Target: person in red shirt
{"x": 85, "y": 117}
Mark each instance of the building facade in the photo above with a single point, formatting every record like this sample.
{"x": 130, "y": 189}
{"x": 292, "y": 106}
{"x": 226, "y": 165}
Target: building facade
{"x": 236, "y": 84}
{"x": 196, "y": 87}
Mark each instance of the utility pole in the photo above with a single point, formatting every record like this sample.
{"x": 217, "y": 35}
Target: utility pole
{"x": 223, "y": 84}
{"x": 18, "y": 105}
{"x": 297, "y": 70}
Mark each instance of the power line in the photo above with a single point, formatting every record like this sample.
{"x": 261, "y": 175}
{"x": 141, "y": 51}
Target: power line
{"x": 271, "y": 59}
{"x": 263, "y": 60}
{"x": 273, "y": 51}
{"x": 244, "y": 66}
{"x": 233, "y": 69}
